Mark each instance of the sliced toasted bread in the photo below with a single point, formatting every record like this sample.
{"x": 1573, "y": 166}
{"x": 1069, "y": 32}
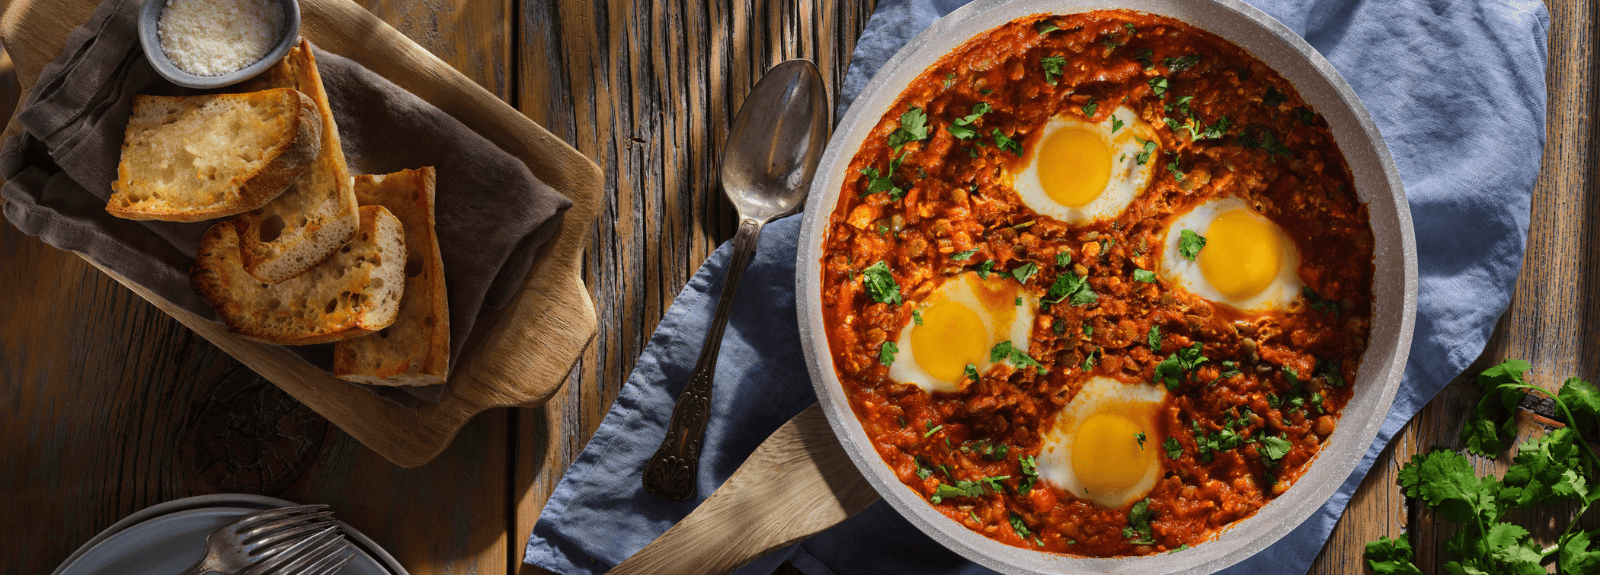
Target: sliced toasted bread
{"x": 192, "y": 158}
{"x": 415, "y": 349}
{"x": 353, "y": 293}
{"x": 317, "y": 214}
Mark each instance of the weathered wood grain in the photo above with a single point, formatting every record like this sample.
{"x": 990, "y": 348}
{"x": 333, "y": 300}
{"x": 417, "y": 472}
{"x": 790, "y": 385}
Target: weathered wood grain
{"x": 113, "y": 406}
{"x": 646, "y": 90}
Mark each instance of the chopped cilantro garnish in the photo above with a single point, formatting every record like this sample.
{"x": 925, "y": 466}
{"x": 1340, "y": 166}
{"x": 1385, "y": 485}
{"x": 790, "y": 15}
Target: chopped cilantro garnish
{"x": 884, "y": 182}
{"x": 961, "y": 127}
{"x": 1058, "y": 326}
{"x": 963, "y": 255}
{"x": 1274, "y": 448}
{"x": 1172, "y": 166}
{"x": 1063, "y": 259}
{"x": 961, "y": 488}
{"x": 1158, "y": 86}
{"x": 886, "y": 353}
{"x": 913, "y": 127}
{"x": 1005, "y": 143}
{"x": 984, "y": 269}
{"x": 1144, "y": 275}
{"x": 1173, "y": 370}
{"x": 1143, "y": 55}
{"x": 1072, "y": 288}
{"x": 1154, "y": 338}
{"x": 1183, "y": 547}
{"x": 1138, "y": 530}
{"x": 1140, "y": 437}
{"x": 1090, "y": 360}
{"x": 1046, "y": 27}
{"x": 1025, "y": 271}
{"x": 1149, "y": 147}
{"x": 1030, "y": 474}
{"x": 1116, "y": 123}
{"x": 949, "y": 80}
{"x": 1330, "y": 372}
{"x": 1217, "y": 130}
{"x": 1306, "y": 116}
{"x": 1174, "y": 449}
{"x": 1018, "y": 358}
{"x": 1052, "y": 68}
{"x": 1189, "y": 244}
{"x": 916, "y": 316}
{"x": 1317, "y": 302}
{"x": 880, "y": 284}
{"x": 1020, "y": 527}
{"x": 1181, "y": 63}
{"x": 1089, "y": 109}
{"x": 971, "y": 373}
{"x": 1273, "y": 98}
{"x": 932, "y": 431}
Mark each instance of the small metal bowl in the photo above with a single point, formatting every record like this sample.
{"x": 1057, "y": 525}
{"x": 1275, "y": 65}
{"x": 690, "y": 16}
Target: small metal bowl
{"x": 150, "y": 39}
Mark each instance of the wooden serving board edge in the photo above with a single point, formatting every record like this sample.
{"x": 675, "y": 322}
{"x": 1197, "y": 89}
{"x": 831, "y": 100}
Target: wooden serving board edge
{"x": 524, "y": 356}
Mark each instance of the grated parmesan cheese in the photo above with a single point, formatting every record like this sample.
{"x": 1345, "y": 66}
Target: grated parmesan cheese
{"x": 214, "y": 37}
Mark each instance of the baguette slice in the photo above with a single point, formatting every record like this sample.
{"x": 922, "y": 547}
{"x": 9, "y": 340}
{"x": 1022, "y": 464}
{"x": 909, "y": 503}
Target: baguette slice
{"x": 317, "y": 214}
{"x": 192, "y": 158}
{"x": 415, "y": 350}
{"x": 353, "y": 293}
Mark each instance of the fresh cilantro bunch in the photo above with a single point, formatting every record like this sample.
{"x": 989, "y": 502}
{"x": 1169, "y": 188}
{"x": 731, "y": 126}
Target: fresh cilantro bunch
{"x": 1559, "y": 465}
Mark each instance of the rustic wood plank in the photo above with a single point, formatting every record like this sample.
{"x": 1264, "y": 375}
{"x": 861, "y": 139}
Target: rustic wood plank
{"x": 1553, "y": 321}
{"x": 646, "y": 90}
{"x": 118, "y": 406}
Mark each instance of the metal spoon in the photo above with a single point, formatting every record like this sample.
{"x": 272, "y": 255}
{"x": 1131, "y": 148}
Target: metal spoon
{"x": 772, "y": 151}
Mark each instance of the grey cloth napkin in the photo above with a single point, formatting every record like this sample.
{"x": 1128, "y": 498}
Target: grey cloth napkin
{"x": 491, "y": 215}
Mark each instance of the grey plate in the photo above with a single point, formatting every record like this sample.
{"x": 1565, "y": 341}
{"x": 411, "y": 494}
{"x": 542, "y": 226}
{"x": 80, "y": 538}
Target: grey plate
{"x": 1394, "y": 284}
{"x": 150, "y": 40}
{"x": 169, "y": 537}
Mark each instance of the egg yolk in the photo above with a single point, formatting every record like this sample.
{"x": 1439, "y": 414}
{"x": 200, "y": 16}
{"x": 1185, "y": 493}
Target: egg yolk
{"x": 1242, "y": 255}
{"x": 951, "y": 337}
{"x": 1074, "y": 166}
{"x": 1106, "y": 455}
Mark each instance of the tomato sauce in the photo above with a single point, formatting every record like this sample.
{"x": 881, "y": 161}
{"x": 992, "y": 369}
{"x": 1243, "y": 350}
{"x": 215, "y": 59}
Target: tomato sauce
{"x": 1291, "y": 365}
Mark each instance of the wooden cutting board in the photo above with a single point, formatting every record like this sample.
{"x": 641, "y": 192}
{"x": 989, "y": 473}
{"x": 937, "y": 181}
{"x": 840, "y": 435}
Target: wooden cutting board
{"x": 529, "y": 348}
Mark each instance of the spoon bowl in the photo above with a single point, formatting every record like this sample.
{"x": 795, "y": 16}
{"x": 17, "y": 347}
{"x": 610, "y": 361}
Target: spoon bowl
{"x": 772, "y": 151}
{"x": 776, "y": 141}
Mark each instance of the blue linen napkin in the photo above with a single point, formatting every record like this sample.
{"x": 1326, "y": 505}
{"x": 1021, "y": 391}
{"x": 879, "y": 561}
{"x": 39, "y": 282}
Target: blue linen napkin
{"x": 1457, "y": 89}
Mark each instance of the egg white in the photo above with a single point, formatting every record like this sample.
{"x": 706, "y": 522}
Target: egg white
{"x": 1101, "y": 394}
{"x": 1129, "y": 178}
{"x": 1002, "y": 322}
{"x": 1282, "y": 294}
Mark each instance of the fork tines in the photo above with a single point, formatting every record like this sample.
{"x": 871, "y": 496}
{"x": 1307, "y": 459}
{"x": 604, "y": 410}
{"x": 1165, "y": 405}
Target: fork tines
{"x": 322, "y": 553}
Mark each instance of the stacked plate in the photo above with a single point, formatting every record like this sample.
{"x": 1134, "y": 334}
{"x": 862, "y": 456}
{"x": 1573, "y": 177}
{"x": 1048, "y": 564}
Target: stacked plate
{"x": 170, "y": 537}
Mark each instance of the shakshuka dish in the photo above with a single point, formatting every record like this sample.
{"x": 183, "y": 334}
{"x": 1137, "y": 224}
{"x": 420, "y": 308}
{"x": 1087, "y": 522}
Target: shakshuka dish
{"x": 1097, "y": 284}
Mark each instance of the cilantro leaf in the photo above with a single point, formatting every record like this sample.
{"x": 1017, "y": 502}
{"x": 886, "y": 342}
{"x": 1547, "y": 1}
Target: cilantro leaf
{"x": 1144, "y": 275}
{"x": 1089, "y": 109}
{"x": 1446, "y": 482}
{"x": 1140, "y": 437}
{"x": 916, "y": 316}
{"x": 1143, "y": 56}
{"x": 880, "y": 284}
{"x": 1317, "y": 302}
{"x": 884, "y": 182}
{"x": 1018, "y": 526}
{"x": 1063, "y": 259}
{"x": 1273, "y": 97}
{"x": 961, "y": 127}
{"x": 949, "y": 80}
{"x": 984, "y": 269}
{"x": 1005, "y": 143}
{"x": 913, "y": 127}
{"x": 1071, "y": 287}
{"x": 1391, "y": 556}
{"x": 1583, "y": 400}
{"x": 1172, "y": 166}
{"x": 1154, "y": 338}
{"x": 1116, "y": 123}
{"x": 1181, "y": 63}
{"x": 1172, "y": 370}
{"x": 1025, "y": 271}
{"x": 1331, "y": 372}
{"x": 1147, "y": 147}
{"x": 1491, "y": 421}
{"x": 1158, "y": 86}
{"x": 962, "y": 256}
{"x": 961, "y": 488}
{"x": 1052, "y": 68}
{"x": 1030, "y": 474}
{"x": 886, "y": 353}
{"x": 1018, "y": 358}
{"x": 1174, "y": 449}
{"x": 1576, "y": 557}
{"x": 1275, "y": 448}
{"x": 1189, "y": 244}
{"x": 1217, "y": 130}
{"x": 1046, "y": 27}
{"x": 1138, "y": 530}
{"x": 971, "y": 372}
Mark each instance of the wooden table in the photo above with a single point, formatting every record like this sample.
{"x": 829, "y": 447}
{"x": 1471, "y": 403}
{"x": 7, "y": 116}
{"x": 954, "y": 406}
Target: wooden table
{"x": 111, "y": 406}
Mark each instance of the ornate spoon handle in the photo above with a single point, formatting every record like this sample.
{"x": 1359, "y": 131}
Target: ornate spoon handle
{"x": 671, "y": 473}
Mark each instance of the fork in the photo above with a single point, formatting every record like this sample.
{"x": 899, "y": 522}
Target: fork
{"x": 322, "y": 553}
{"x": 248, "y": 540}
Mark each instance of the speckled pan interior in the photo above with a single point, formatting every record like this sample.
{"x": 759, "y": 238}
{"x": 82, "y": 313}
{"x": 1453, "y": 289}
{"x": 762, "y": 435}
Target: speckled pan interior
{"x": 1394, "y": 284}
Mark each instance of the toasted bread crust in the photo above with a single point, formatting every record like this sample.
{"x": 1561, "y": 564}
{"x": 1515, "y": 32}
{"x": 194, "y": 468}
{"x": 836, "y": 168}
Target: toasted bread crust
{"x": 317, "y": 214}
{"x": 415, "y": 349}
{"x": 354, "y": 293}
{"x": 135, "y": 193}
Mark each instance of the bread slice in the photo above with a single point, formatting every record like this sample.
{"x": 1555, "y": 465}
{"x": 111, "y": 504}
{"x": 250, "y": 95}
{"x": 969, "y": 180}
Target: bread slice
{"x": 415, "y": 349}
{"x": 192, "y": 158}
{"x": 317, "y": 214}
{"x": 353, "y": 293}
